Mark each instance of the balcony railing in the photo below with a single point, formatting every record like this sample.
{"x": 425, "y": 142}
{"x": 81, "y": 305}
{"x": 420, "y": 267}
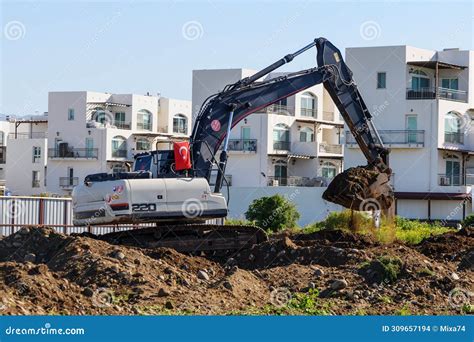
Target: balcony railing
{"x": 455, "y": 180}
{"x": 249, "y": 145}
{"x": 328, "y": 116}
{"x": 282, "y": 145}
{"x": 180, "y": 130}
{"x": 279, "y": 109}
{"x": 454, "y": 137}
{"x": 442, "y": 93}
{"x": 35, "y": 183}
{"x": 309, "y": 112}
{"x": 28, "y": 135}
{"x": 68, "y": 182}
{"x": 122, "y": 124}
{"x": 330, "y": 148}
{"x": 144, "y": 126}
{"x": 76, "y": 153}
{"x": 297, "y": 181}
{"x": 119, "y": 153}
{"x": 395, "y": 137}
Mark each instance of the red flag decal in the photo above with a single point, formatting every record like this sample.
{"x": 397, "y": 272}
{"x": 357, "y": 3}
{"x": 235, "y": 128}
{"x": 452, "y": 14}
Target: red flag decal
{"x": 182, "y": 156}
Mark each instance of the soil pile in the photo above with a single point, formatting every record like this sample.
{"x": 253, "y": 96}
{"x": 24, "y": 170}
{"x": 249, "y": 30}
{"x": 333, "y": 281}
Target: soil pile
{"x": 43, "y": 272}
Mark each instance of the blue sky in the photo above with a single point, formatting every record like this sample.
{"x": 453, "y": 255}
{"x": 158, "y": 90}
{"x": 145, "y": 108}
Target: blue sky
{"x": 153, "y": 46}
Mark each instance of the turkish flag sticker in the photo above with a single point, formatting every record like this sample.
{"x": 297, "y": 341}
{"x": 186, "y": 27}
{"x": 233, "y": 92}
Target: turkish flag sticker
{"x": 216, "y": 125}
{"x": 182, "y": 157}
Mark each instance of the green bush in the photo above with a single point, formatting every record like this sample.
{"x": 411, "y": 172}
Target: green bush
{"x": 468, "y": 221}
{"x": 236, "y": 222}
{"x": 340, "y": 220}
{"x": 273, "y": 213}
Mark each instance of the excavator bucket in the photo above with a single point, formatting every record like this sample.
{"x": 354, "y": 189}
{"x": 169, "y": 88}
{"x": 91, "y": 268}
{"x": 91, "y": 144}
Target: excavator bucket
{"x": 362, "y": 188}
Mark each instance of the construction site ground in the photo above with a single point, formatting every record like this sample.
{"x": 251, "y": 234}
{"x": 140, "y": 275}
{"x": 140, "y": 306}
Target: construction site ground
{"x": 330, "y": 272}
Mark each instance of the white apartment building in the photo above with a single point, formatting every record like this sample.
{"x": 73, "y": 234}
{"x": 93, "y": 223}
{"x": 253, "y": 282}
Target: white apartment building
{"x": 296, "y": 142}
{"x": 88, "y": 132}
{"x": 423, "y": 107}
{"x": 26, "y": 155}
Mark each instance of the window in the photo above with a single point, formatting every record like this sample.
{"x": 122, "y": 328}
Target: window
{"x": 306, "y": 134}
{"x": 119, "y": 147}
{"x": 411, "y": 125}
{"x": 70, "y": 114}
{"x": 452, "y": 128}
{"x": 309, "y": 105}
{"x": 36, "y": 154}
{"x": 119, "y": 120}
{"x": 281, "y": 173}
{"x": 281, "y": 137}
{"x": 143, "y": 144}
{"x": 36, "y": 179}
{"x": 453, "y": 171}
{"x": 419, "y": 80}
{"x": 144, "y": 120}
{"x": 449, "y": 83}
{"x": 180, "y": 124}
{"x": 381, "y": 80}
{"x": 328, "y": 170}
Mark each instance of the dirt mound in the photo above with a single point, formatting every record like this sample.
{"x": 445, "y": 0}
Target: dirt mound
{"x": 43, "y": 272}
{"x": 454, "y": 247}
{"x": 361, "y": 188}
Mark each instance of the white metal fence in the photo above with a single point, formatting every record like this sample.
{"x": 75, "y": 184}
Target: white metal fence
{"x": 20, "y": 211}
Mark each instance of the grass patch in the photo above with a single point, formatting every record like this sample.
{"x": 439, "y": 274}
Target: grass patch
{"x": 401, "y": 229}
{"x": 383, "y": 269}
{"x": 237, "y": 222}
{"x": 403, "y": 311}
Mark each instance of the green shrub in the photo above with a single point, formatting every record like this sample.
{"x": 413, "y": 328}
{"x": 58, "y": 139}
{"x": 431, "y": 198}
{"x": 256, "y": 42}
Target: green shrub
{"x": 237, "y": 222}
{"x": 385, "y": 269}
{"x": 341, "y": 220}
{"x": 468, "y": 221}
{"x": 273, "y": 213}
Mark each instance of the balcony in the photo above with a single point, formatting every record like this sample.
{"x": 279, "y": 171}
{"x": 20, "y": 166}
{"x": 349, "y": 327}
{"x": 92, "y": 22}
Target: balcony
{"x": 394, "y": 138}
{"x": 330, "y": 148}
{"x": 282, "y": 145}
{"x": 279, "y": 109}
{"x": 144, "y": 126}
{"x": 119, "y": 153}
{"x": 297, "y": 181}
{"x": 309, "y": 112}
{"x": 28, "y": 135}
{"x": 122, "y": 124}
{"x": 35, "y": 183}
{"x": 73, "y": 153}
{"x": 243, "y": 145}
{"x": 68, "y": 182}
{"x": 454, "y": 137}
{"x": 439, "y": 93}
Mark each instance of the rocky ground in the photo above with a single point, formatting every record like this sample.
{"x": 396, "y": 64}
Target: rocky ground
{"x": 328, "y": 272}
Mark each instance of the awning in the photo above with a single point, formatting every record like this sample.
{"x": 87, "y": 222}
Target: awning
{"x": 447, "y": 149}
{"x": 433, "y": 196}
{"x": 300, "y": 156}
{"x": 434, "y": 64}
{"x": 110, "y": 104}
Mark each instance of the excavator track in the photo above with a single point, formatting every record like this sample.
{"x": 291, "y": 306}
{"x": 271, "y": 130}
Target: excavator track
{"x": 190, "y": 238}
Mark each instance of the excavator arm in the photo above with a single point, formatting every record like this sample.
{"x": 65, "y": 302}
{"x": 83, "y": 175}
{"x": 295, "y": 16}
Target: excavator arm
{"x": 226, "y": 109}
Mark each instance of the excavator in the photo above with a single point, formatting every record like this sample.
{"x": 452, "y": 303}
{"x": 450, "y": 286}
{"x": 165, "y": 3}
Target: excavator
{"x": 167, "y": 196}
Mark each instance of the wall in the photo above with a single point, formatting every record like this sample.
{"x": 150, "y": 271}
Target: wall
{"x": 308, "y": 201}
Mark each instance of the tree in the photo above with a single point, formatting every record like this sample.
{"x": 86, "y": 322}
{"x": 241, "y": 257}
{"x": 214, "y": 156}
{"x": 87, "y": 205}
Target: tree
{"x": 273, "y": 213}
